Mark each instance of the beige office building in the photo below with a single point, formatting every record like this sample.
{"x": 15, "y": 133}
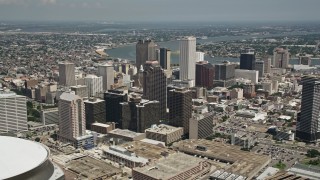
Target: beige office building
{"x": 72, "y": 121}
{"x": 164, "y": 133}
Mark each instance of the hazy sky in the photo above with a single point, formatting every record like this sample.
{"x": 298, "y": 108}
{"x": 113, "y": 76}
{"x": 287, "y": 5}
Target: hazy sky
{"x": 161, "y": 10}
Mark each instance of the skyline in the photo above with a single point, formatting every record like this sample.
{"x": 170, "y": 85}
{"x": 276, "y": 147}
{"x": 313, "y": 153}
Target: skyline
{"x": 159, "y": 11}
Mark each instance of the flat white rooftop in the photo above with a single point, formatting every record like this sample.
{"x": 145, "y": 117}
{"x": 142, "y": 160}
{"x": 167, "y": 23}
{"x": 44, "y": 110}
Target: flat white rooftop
{"x": 18, "y": 156}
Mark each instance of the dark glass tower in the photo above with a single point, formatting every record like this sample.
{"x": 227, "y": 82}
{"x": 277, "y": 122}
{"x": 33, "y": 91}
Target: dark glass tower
{"x": 113, "y": 98}
{"x": 308, "y": 126}
{"x": 247, "y": 59}
{"x": 165, "y": 58}
{"x": 155, "y": 85}
{"x": 180, "y": 107}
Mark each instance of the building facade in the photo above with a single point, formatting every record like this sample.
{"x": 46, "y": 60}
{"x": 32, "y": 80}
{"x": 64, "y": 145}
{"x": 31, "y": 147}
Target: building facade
{"x": 247, "y": 59}
{"x": 145, "y": 51}
{"x": 259, "y": 66}
{"x": 155, "y": 85}
{"x": 113, "y": 98}
{"x": 165, "y": 58}
{"x": 164, "y": 133}
{"x": 201, "y": 125}
{"x": 72, "y": 119}
{"x": 139, "y": 114}
{"x": 13, "y": 110}
{"x": 281, "y": 58}
{"x": 106, "y": 71}
{"x": 204, "y": 74}
{"x": 224, "y": 74}
{"x": 80, "y": 90}
{"x": 95, "y": 111}
{"x": 187, "y": 58}
{"x": 67, "y": 74}
{"x": 180, "y": 107}
{"x": 94, "y": 84}
{"x": 308, "y": 126}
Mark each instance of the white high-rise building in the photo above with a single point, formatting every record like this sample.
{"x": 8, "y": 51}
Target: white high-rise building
{"x": 94, "y": 84}
{"x": 72, "y": 119}
{"x": 67, "y": 74}
{"x": 199, "y": 56}
{"x": 106, "y": 71}
{"x": 187, "y": 59}
{"x": 13, "y": 112}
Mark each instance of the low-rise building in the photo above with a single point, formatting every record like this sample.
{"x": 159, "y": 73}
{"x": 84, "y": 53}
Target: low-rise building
{"x": 164, "y": 133}
{"x": 174, "y": 167}
{"x": 126, "y": 135}
{"x": 102, "y": 128}
{"x": 50, "y": 116}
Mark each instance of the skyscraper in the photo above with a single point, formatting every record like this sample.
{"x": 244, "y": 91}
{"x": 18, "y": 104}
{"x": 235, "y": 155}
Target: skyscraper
{"x": 187, "y": 58}
{"x": 95, "y": 111}
{"x": 155, "y": 85}
{"x": 204, "y": 74}
{"x": 67, "y": 74}
{"x": 113, "y": 98}
{"x": 180, "y": 107}
{"x": 247, "y": 59}
{"x": 72, "y": 120}
{"x": 13, "y": 110}
{"x": 106, "y": 71}
{"x": 308, "y": 125}
{"x": 145, "y": 50}
{"x": 94, "y": 84}
{"x": 224, "y": 74}
{"x": 305, "y": 60}
{"x": 165, "y": 58}
{"x": 267, "y": 64}
{"x": 280, "y": 58}
{"x": 139, "y": 114}
{"x": 259, "y": 66}
{"x": 199, "y": 56}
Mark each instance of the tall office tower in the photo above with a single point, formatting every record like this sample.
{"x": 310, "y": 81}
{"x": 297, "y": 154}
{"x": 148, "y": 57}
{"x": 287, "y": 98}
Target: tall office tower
{"x": 308, "y": 125}
{"x": 204, "y": 74}
{"x": 67, "y": 75}
{"x": 145, "y": 50}
{"x": 280, "y": 58}
{"x": 94, "y": 84}
{"x": 72, "y": 119}
{"x": 95, "y": 111}
{"x": 305, "y": 60}
{"x": 224, "y": 74}
{"x": 247, "y": 59}
{"x": 199, "y": 56}
{"x": 165, "y": 58}
{"x": 80, "y": 90}
{"x": 158, "y": 55}
{"x": 113, "y": 98}
{"x": 259, "y": 66}
{"x": 155, "y": 85}
{"x": 139, "y": 114}
{"x": 106, "y": 71}
{"x": 187, "y": 58}
{"x": 13, "y": 112}
{"x": 267, "y": 64}
{"x": 180, "y": 107}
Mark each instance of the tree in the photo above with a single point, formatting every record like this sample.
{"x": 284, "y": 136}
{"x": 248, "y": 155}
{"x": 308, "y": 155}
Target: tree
{"x": 37, "y": 139}
{"x": 313, "y": 153}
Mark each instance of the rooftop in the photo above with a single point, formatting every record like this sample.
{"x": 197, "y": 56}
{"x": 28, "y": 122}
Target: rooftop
{"x": 19, "y": 156}
{"x": 163, "y": 129}
{"x": 241, "y": 162}
{"x": 170, "y": 166}
{"x": 125, "y": 132}
{"x": 146, "y": 150}
{"x": 90, "y": 168}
